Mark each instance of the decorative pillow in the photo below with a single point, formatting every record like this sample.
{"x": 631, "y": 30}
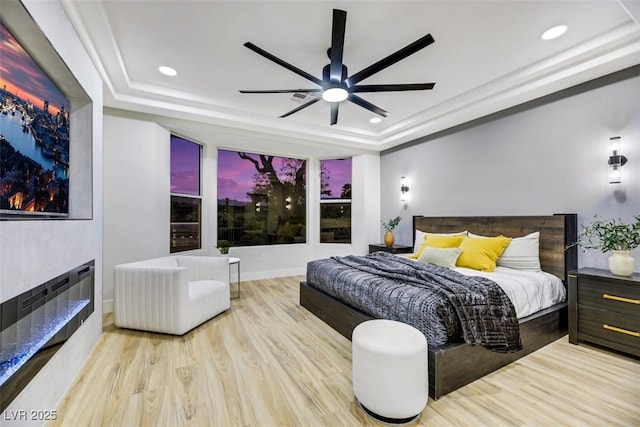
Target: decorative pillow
{"x": 523, "y": 253}
{"x": 445, "y": 257}
{"x": 438, "y": 241}
{"x": 482, "y": 253}
{"x": 420, "y": 235}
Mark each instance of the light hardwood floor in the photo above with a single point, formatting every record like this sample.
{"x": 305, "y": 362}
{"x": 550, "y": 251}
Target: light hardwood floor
{"x": 269, "y": 362}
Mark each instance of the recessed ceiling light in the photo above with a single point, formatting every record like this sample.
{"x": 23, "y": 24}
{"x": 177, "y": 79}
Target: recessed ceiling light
{"x": 554, "y": 32}
{"x": 375, "y": 120}
{"x": 167, "y": 71}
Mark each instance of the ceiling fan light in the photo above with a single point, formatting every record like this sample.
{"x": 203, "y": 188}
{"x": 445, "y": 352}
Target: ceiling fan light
{"x": 335, "y": 94}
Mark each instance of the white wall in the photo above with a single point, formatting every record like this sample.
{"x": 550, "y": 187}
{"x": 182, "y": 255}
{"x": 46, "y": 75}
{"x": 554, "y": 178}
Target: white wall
{"x": 550, "y": 158}
{"x": 136, "y": 194}
{"x": 137, "y": 199}
{"x": 34, "y": 251}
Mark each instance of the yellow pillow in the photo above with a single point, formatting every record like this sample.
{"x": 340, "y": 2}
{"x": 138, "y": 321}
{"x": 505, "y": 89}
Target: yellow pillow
{"x": 482, "y": 253}
{"x": 438, "y": 241}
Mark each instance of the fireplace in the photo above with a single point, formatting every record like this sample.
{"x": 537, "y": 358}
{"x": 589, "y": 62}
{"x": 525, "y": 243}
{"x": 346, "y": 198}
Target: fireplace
{"x": 36, "y": 323}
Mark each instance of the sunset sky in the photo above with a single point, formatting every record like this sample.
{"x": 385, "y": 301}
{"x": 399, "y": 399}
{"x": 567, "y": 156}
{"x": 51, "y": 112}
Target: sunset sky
{"x": 185, "y": 166}
{"x": 21, "y": 75}
{"x": 235, "y": 175}
{"x": 339, "y": 175}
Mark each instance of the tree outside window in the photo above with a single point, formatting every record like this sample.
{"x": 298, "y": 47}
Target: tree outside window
{"x": 335, "y": 201}
{"x": 261, "y": 199}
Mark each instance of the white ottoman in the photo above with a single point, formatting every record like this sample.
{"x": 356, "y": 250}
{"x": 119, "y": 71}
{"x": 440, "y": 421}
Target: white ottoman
{"x": 390, "y": 375}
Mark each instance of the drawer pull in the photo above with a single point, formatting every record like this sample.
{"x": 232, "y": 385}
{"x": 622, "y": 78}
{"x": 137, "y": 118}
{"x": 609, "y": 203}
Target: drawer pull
{"x": 622, "y": 331}
{"x": 621, "y": 299}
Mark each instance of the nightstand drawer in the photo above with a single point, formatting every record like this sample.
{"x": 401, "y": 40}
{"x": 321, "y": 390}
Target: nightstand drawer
{"x": 611, "y": 296}
{"x": 604, "y": 309}
{"x": 612, "y": 327}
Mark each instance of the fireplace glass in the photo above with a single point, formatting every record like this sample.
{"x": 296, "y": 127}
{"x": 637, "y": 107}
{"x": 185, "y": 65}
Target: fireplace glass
{"x": 35, "y": 324}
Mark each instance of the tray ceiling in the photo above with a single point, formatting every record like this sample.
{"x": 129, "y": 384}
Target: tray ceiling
{"x": 487, "y": 56}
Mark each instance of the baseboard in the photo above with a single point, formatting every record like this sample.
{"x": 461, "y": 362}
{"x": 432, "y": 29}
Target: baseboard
{"x": 270, "y": 274}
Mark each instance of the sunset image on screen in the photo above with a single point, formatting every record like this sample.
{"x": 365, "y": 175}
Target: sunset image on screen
{"x": 34, "y": 135}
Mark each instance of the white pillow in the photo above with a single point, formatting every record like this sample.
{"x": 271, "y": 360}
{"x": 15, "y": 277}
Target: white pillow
{"x": 445, "y": 257}
{"x": 523, "y": 253}
{"x": 477, "y": 236}
{"x": 420, "y": 235}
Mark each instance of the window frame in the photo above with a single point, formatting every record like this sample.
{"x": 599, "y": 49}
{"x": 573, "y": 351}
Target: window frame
{"x": 295, "y": 233}
{"x": 335, "y": 201}
{"x": 178, "y": 195}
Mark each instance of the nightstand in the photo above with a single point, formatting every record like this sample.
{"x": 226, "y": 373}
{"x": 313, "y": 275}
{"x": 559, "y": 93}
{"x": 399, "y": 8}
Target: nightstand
{"x": 604, "y": 309}
{"x": 395, "y": 249}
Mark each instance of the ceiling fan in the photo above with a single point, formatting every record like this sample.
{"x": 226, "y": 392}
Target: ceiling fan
{"x": 336, "y": 86}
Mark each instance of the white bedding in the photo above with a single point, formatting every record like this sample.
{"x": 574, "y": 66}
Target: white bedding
{"x": 529, "y": 291}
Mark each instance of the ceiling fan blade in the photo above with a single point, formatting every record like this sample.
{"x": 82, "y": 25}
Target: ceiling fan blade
{"x": 334, "y": 112}
{"x": 303, "y": 106}
{"x": 369, "y": 106}
{"x": 282, "y": 63}
{"x": 337, "y": 45}
{"x": 282, "y": 91}
{"x": 392, "y": 88}
{"x": 390, "y": 60}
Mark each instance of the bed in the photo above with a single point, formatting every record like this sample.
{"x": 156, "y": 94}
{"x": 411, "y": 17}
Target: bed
{"x": 455, "y": 364}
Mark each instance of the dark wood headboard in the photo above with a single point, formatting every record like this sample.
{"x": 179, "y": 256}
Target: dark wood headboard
{"x": 556, "y": 232}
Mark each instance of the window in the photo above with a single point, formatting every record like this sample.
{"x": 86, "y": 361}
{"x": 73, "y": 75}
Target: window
{"x": 335, "y": 201}
{"x": 186, "y": 200}
{"x": 261, "y": 199}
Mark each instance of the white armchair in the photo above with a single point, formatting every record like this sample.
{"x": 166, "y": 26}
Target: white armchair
{"x": 172, "y": 294}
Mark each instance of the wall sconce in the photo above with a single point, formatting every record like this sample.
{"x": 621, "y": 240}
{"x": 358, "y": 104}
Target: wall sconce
{"x": 404, "y": 188}
{"x": 287, "y": 203}
{"x": 616, "y": 160}
{"x": 258, "y": 207}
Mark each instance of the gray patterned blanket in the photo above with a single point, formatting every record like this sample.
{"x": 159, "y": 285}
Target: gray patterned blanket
{"x": 443, "y": 304}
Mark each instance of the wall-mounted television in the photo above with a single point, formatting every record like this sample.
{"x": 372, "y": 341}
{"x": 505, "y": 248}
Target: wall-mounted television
{"x": 34, "y": 136}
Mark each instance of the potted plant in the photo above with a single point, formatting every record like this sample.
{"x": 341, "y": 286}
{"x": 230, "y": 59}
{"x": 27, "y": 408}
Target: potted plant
{"x": 389, "y": 226}
{"x": 223, "y": 247}
{"x": 615, "y": 236}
